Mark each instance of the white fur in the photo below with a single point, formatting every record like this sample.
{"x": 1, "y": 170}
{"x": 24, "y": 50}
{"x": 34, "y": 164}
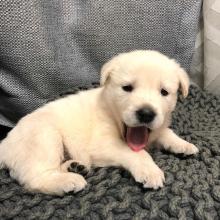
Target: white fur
{"x": 90, "y": 126}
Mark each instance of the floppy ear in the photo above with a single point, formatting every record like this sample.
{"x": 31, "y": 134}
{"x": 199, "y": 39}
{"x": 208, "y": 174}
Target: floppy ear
{"x": 183, "y": 81}
{"x": 106, "y": 71}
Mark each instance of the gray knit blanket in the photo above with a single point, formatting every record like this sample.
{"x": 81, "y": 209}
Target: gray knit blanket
{"x": 191, "y": 191}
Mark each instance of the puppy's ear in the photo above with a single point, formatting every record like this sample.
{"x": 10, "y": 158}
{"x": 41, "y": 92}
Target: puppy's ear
{"x": 183, "y": 81}
{"x": 106, "y": 71}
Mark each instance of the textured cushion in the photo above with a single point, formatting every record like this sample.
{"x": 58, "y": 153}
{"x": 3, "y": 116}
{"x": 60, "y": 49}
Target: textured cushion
{"x": 191, "y": 191}
{"x": 48, "y": 46}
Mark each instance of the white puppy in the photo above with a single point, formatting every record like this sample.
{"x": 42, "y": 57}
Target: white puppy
{"x": 107, "y": 126}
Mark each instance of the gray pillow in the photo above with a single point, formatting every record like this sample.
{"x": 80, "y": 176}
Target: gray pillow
{"x": 48, "y": 46}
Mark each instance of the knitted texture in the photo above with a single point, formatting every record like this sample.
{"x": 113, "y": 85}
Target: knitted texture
{"x": 191, "y": 191}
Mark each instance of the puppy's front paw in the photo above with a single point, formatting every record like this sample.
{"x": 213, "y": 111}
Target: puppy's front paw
{"x": 183, "y": 147}
{"x": 151, "y": 176}
{"x": 190, "y": 149}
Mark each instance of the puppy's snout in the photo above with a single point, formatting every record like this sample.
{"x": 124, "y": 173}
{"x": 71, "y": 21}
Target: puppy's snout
{"x": 145, "y": 115}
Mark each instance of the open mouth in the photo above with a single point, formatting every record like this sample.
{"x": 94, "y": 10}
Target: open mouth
{"x": 136, "y": 137}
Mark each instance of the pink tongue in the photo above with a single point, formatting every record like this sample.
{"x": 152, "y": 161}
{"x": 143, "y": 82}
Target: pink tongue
{"x": 137, "y": 137}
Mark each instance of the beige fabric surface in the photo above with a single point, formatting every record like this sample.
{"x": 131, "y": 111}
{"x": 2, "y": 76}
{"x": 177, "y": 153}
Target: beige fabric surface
{"x": 205, "y": 68}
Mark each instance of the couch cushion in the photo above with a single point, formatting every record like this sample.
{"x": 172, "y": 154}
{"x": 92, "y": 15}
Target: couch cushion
{"x": 49, "y": 46}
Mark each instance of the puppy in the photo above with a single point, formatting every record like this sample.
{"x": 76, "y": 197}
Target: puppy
{"x": 108, "y": 126}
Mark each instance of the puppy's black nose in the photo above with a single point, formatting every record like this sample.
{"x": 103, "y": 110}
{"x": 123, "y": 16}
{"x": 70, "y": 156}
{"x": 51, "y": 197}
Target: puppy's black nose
{"x": 145, "y": 115}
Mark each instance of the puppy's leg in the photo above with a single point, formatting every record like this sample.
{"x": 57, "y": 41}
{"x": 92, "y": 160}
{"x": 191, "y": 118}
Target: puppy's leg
{"x": 35, "y": 159}
{"x": 170, "y": 141}
{"x": 140, "y": 164}
{"x": 51, "y": 178}
{"x": 77, "y": 151}
{"x": 56, "y": 182}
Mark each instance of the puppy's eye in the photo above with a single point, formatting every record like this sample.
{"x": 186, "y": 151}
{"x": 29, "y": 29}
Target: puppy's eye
{"x": 164, "y": 92}
{"x": 128, "y": 88}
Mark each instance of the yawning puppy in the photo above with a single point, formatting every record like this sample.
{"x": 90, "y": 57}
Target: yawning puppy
{"x": 107, "y": 126}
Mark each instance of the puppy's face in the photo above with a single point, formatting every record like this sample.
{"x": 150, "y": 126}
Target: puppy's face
{"x": 142, "y": 89}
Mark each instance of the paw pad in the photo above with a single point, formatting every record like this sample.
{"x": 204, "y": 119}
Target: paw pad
{"x": 78, "y": 168}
